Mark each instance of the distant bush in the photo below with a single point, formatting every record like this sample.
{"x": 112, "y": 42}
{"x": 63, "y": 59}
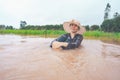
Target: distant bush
{"x": 94, "y": 27}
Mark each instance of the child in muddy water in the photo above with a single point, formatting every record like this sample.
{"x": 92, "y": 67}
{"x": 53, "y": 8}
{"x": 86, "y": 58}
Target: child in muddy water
{"x": 72, "y": 39}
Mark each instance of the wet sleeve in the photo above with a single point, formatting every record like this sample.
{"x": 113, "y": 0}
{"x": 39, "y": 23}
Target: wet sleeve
{"x": 75, "y": 44}
{"x": 60, "y": 39}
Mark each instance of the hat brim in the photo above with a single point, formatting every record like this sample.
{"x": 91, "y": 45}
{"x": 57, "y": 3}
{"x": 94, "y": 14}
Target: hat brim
{"x": 68, "y": 30}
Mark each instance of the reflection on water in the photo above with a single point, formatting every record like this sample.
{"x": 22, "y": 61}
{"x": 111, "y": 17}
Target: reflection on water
{"x": 31, "y": 58}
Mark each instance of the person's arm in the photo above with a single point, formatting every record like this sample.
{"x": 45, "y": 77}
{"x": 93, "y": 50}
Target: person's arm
{"x": 57, "y": 43}
{"x": 75, "y": 44}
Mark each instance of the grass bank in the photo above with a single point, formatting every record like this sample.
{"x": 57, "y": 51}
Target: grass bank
{"x": 104, "y": 36}
{"x": 46, "y": 33}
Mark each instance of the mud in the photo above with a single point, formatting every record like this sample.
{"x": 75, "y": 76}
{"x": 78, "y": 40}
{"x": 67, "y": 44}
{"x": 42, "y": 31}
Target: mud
{"x": 31, "y": 58}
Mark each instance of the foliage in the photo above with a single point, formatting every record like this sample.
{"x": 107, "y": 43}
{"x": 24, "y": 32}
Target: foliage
{"x": 33, "y": 32}
{"x": 87, "y": 27}
{"x": 2, "y": 27}
{"x": 43, "y": 27}
{"x": 94, "y": 27}
{"x": 107, "y": 10}
{"x": 9, "y": 27}
{"x": 22, "y": 24}
{"x": 111, "y": 25}
{"x": 116, "y": 14}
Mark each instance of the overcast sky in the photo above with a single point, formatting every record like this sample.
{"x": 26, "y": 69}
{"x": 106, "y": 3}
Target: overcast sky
{"x": 42, "y": 12}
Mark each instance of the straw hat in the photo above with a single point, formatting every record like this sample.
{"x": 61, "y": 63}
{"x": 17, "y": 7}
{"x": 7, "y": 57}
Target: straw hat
{"x": 68, "y": 30}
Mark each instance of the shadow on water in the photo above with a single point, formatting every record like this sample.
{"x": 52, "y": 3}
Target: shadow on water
{"x": 31, "y": 58}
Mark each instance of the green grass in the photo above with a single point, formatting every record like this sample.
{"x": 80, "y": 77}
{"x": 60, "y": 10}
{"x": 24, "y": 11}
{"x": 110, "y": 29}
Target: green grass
{"x": 107, "y": 37}
{"x": 98, "y": 34}
{"x": 47, "y": 33}
{"x": 104, "y": 36}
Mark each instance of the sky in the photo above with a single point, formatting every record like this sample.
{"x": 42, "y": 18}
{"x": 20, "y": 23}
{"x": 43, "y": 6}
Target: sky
{"x": 45, "y": 12}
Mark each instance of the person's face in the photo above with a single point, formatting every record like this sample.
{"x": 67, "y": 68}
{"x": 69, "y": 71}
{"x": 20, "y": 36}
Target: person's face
{"x": 74, "y": 28}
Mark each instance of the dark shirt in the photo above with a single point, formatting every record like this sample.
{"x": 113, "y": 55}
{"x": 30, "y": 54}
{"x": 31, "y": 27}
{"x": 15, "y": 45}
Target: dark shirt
{"x": 72, "y": 42}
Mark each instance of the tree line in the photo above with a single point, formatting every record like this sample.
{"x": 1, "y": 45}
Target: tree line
{"x": 3, "y": 27}
{"x": 43, "y": 27}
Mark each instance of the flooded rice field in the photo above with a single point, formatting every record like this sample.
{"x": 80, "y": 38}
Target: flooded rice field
{"x": 31, "y": 58}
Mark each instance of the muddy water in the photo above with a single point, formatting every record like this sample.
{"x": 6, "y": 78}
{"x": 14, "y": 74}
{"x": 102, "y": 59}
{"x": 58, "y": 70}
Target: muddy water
{"x": 31, "y": 58}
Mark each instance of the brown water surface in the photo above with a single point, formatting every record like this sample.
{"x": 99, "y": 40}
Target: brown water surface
{"x": 31, "y": 58}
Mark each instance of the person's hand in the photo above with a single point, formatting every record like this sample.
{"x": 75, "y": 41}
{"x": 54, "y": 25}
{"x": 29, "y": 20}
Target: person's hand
{"x": 57, "y": 44}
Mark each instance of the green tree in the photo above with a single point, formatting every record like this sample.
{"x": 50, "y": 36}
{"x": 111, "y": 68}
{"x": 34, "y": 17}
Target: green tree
{"x": 9, "y": 27}
{"x": 94, "y": 27}
{"x": 111, "y": 25}
{"x": 87, "y": 27}
{"x": 23, "y": 24}
{"x": 116, "y": 14}
{"x": 2, "y": 27}
{"x": 107, "y": 11}
{"x": 116, "y": 27}
{"x": 107, "y": 25}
